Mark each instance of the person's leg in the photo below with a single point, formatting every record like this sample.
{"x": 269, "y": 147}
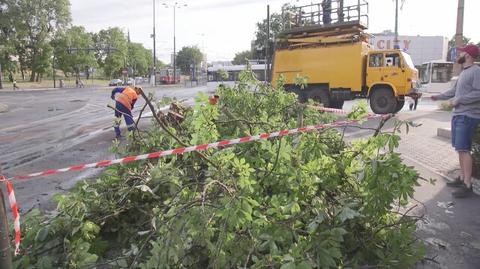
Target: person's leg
{"x": 458, "y": 182}
{"x": 118, "y": 119}
{"x": 129, "y": 121}
{"x": 465, "y": 130}
{"x": 416, "y": 103}
{"x": 127, "y": 114}
{"x": 466, "y": 162}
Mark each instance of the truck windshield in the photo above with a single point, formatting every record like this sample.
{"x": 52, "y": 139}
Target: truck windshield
{"x": 424, "y": 73}
{"x": 408, "y": 60}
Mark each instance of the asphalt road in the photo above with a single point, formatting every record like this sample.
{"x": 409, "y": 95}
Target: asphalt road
{"x": 40, "y": 123}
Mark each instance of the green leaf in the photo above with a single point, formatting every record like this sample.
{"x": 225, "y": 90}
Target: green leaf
{"x": 42, "y": 234}
{"x": 348, "y": 213}
{"x": 290, "y": 265}
{"x": 303, "y": 265}
{"x": 295, "y": 208}
{"x": 45, "y": 262}
{"x": 145, "y": 188}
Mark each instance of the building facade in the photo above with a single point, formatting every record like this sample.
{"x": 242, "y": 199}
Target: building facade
{"x": 421, "y": 48}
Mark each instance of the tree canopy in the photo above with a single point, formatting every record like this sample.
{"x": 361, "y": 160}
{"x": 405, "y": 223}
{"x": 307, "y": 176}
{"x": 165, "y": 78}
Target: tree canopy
{"x": 33, "y": 25}
{"x": 188, "y": 56}
{"x": 74, "y": 51}
{"x": 242, "y": 57}
{"x": 139, "y": 59}
{"x": 112, "y": 50}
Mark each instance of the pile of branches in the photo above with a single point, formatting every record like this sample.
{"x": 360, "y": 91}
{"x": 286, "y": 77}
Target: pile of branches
{"x": 305, "y": 201}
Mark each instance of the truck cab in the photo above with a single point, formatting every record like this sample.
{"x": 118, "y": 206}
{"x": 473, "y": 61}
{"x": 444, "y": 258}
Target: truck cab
{"x": 390, "y": 76}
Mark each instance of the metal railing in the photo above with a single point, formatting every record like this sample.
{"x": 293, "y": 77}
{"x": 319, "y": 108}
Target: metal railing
{"x": 326, "y": 13}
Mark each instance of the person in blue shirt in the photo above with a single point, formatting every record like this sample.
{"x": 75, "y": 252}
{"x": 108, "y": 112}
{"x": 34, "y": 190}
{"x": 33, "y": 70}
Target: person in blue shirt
{"x": 125, "y": 99}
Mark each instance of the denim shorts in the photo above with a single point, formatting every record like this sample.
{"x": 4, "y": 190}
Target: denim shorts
{"x": 463, "y": 130}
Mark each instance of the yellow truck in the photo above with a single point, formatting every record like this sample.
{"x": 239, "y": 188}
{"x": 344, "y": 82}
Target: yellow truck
{"x": 339, "y": 64}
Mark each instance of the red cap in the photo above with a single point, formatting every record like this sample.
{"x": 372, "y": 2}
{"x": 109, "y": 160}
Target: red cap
{"x": 471, "y": 49}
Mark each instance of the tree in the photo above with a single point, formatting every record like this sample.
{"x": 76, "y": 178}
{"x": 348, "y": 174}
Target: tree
{"x": 242, "y": 57}
{"x": 188, "y": 56}
{"x": 451, "y": 42}
{"x": 277, "y": 23}
{"x": 72, "y": 51}
{"x": 7, "y": 47}
{"x": 112, "y": 50}
{"x": 139, "y": 59}
{"x": 34, "y": 23}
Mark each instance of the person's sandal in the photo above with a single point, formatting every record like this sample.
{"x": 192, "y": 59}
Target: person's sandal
{"x": 456, "y": 183}
{"x": 463, "y": 192}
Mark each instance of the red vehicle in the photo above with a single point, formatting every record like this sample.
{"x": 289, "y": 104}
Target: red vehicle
{"x": 165, "y": 76}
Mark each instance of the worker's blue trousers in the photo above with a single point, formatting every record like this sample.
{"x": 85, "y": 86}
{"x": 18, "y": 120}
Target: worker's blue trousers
{"x": 127, "y": 114}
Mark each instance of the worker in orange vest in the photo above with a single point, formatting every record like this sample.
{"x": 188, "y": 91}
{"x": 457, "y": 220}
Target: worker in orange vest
{"x": 125, "y": 98}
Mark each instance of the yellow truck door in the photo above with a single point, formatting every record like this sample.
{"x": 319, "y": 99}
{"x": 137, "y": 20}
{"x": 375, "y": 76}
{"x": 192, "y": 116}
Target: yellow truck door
{"x": 393, "y": 72}
{"x": 374, "y": 69}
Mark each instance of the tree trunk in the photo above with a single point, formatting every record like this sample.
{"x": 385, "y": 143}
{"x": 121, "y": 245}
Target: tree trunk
{"x": 32, "y": 76}
{"x": 32, "y": 66}
{"x": 22, "y": 71}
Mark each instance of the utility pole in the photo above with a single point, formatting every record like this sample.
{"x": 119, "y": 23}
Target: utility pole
{"x": 154, "y": 35}
{"x": 174, "y": 6}
{"x": 395, "y": 40}
{"x": 53, "y": 71}
{"x": 1, "y": 77}
{"x": 174, "y": 48}
{"x": 457, "y": 68}
{"x": 267, "y": 49}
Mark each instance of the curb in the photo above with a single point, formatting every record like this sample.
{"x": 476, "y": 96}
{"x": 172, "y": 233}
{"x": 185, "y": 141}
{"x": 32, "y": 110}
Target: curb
{"x": 444, "y": 132}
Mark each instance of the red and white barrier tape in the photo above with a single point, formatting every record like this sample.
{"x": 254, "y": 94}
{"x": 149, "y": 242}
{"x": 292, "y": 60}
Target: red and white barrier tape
{"x": 179, "y": 151}
{"x": 332, "y": 110}
{"x": 15, "y": 214}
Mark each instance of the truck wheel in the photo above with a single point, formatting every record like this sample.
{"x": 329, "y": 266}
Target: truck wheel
{"x": 400, "y": 104}
{"x": 337, "y": 104}
{"x": 382, "y": 101}
{"x": 321, "y": 96}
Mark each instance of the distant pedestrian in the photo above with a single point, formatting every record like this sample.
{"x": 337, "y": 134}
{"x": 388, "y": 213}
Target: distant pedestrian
{"x": 327, "y": 11}
{"x": 125, "y": 98}
{"x": 15, "y": 87}
{"x": 76, "y": 82}
{"x": 413, "y": 100}
{"x": 465, "y": 99}
{"x": 340, "y": 13}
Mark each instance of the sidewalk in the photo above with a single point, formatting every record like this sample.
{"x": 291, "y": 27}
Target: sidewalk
{"x": 450, "y": 227}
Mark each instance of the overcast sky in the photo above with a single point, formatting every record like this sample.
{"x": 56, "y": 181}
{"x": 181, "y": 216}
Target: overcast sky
{"x": 224, "y": 27}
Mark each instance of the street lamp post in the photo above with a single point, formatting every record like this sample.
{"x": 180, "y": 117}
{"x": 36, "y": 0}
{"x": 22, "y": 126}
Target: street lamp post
{"x": 1, "y": 77}
{"x": 457, "y": 68}
{"x": 53, "y": 71}
{"x": 154, "y": 36}
{"x": 174, "y": 6}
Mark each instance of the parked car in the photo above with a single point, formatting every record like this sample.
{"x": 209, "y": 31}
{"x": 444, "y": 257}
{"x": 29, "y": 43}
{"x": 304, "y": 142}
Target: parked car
{"x": 115, "y": 82}
{"x": 131, "y": 82}
{"x": 139, "y": 80}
